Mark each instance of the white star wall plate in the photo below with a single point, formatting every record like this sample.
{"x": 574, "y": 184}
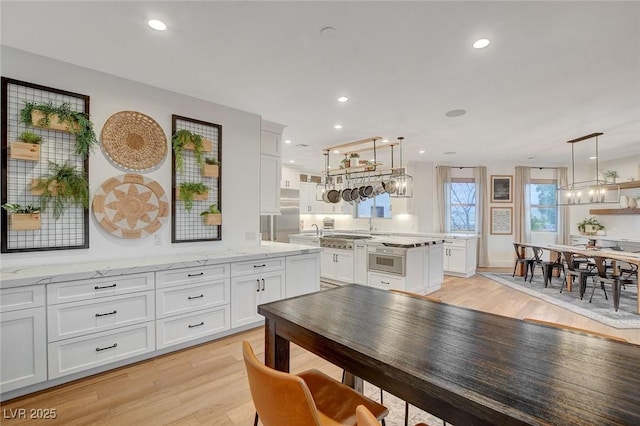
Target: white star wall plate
{"x": 130, "y": 206}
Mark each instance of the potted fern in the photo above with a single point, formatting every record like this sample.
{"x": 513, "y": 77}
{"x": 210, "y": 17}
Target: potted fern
{"x": 23, "y": 218}
{"x": 184, "y": 139}
{"x": 192, "y": 191}
{"x": 63, "y": 187}
{"x": 212, "y": 216}
{"x": 27, "y": 147}
{"x": 211, "y": 167}
{"x": 61, "y": 118}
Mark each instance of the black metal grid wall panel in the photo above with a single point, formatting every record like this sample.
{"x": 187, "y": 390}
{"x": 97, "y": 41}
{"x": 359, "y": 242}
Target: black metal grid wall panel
{"x": 189, "y": 226}
{"x": 70, "y": 231}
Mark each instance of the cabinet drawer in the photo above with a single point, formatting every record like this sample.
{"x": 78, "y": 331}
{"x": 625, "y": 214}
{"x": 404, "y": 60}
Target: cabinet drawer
{"x": 83, "y": 353}
{"x": 13, "y": 299}
{"x": 386, "y": 282}
{"x": 188, "y": 298}
{"x": 181, "y": 328}
{"x": 257, "y": 266}
{"x": 95, "y": 288}
{"x": 191, "y": 275}
{"x": 450, "y": 242}
{"x": 80, "y": 318}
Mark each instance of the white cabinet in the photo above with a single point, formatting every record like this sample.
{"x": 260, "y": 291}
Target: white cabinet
{"x": 269, "y": 184}
{"x": 270, "y": 140}
{"x": 434, "y": 265}
{"x": 97, "y": 321}
{"x": 360, "y": 263}
{"x": 460, "y": 257}
{"x": 254, "y": 283}
{"x": 290, "y": 178}
{"x": 338, "y": 208}
{"x": 305, "y": 241}
{"x": 309, "y": 198}
{"x": 192, "y": 303}
{"x": 386, "y": 281}
{"x": 337, "y": 265}
{"x": 23, "y": 337}
{"x": 303, "y": 274}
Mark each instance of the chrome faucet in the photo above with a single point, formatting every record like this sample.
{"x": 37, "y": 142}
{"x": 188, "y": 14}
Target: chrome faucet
{"x": 317, "y": 229}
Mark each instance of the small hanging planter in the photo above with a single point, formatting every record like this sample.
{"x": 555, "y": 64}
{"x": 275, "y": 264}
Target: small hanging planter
{"x": 27, "y": 147}
{"x": 210, "y": 168}
{"x": 212, "y": 216}
{"x": 25, "y": 221}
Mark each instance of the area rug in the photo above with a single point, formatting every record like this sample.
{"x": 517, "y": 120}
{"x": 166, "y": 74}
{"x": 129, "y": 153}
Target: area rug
{"x": 600, "y": 309}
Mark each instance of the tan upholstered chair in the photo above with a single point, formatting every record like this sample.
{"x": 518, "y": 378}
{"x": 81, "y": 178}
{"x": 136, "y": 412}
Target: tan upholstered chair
{"x": 579, "y": 330}
{"x": 310, "y": 398}
{"x": 365, "y": 418}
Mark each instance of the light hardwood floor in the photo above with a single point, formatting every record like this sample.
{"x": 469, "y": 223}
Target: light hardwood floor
{"x": 206, "y": 385}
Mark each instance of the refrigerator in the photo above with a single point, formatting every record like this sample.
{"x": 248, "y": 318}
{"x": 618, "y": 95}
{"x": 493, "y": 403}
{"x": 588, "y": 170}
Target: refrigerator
{"x": 278, "y": 227}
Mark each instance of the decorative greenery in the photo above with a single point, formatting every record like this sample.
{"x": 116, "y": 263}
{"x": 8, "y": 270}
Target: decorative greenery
{"x": 187, "y": 190}
{"x": 17, "y": 208}
{"x": 63, "y": 187}
{"x": 611, "y": 174}
{"x": 30, "y": 137}
{"x": 590, "y": 221}
{"x": 211, "y": 161}
{"x": 354, "y": 155}
{"x": 182, "y": 138}
{"x": 213, "y": 209}
{"x": 78, "y": 122}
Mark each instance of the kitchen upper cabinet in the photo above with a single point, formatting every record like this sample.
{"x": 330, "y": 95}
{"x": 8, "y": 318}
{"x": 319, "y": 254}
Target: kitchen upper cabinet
{"x": 338, "y": 208}
{"x": 269, "y": 184}
{"x": 337, "y": 265}
{"x": 460, "y": 257}
{"x": 270, "y": 142}
{"x": 303, "y": 274}
{"x": 309, "y": 203}
{"x": 290, "y": 178}
{"x": 23, "y": 337}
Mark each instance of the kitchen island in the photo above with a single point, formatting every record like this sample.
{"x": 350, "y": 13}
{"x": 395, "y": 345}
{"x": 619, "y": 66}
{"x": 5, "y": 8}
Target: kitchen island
{"x": 59, "y": 323}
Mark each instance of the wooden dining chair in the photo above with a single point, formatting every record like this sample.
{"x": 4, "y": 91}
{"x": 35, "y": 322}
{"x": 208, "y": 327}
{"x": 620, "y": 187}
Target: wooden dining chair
{"x": 365, "y": 418}
{"x": 310, "y": 398}
{"x": 526, "y": 262}
{"x": 576, "y": 329}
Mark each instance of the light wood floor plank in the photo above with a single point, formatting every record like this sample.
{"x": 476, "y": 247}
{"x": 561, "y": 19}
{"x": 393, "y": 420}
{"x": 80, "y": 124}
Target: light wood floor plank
{"x": 207, "y": 385}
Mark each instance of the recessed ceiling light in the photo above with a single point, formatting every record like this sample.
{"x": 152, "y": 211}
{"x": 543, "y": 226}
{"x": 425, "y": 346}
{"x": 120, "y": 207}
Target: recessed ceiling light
{"x": 422, "y": 151}
{"x": 481, "y": 44}
{"x": 287, "y": 141}
{"x": 337, "y": 126}
{"x": 292, "y": 161}
{"x": 343, "y": 99}
{"x": 593, "y": 158}
{"x": 385, "y": 140}
{"x": 455, "y": 113}
{"x": 157, "y": 24}
{"x": 328, "y": 32}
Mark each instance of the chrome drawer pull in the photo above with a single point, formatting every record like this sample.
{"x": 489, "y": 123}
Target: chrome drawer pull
{"x": 196, "y": 325}
{"x": 115, "y": 345}
{"x": 108, "y": 313}
{"x": 259, "y": 266}
{"x": 258, "y": 285}
{"x": 195, "y": 297}
{"x": 106, "y": 286}
{"x": 385, "y": 282}
{"x": 195, "y": 275}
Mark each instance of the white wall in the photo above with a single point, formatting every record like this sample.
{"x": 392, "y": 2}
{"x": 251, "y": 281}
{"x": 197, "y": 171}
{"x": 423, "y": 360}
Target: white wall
{"x": 110, "y": 94}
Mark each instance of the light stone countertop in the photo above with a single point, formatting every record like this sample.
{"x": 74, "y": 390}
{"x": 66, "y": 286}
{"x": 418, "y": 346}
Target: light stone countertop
{"x": 45, "y": 274}
{"x": 312, "y": 234}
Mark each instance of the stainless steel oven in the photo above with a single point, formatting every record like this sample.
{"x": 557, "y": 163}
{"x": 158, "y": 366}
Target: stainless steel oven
{"x": 388, "y": 260}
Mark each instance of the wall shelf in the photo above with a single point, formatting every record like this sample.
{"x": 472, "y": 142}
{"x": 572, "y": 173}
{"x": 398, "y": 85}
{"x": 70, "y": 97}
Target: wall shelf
{"x": 614, "y": 211}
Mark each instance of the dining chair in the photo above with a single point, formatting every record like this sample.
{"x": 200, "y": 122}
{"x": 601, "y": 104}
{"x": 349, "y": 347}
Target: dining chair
{"x": 604, "y": 277}
{"x": 309, "y": 398}
{"x": 576, "y": 329}
{"x": 521, "y": 258}
{"x": 577, "y": 266}
{"x": 365, "y": 418}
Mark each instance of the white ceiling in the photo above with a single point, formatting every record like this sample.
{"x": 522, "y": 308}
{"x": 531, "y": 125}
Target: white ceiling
{"x": 554, "y": 70}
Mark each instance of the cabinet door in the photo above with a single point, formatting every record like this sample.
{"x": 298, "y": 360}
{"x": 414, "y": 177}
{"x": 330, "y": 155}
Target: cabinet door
{"x": 328, "y": 264}
{"x": 245, "y": 293}
{"x": 457, "y": 259}
{"x": 269, "y": 184}
{"x": 271, "y": 287}
{"x": 305, "y": 206}
{"x": 386, "y": 282}
{"x": 436, "y": 275}
{"x": 303, "y": 274}
{"x": 360, "y": 264}
{"x": 23, "y": 346}
{"x": 270, "y": 143}
{"x": 290, "y": 178}
{"x": 344, "y": 268}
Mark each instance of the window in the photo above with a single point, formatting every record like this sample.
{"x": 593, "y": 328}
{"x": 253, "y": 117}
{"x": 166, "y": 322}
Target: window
{"x": 380, "y": 205}
{"x": 542, "y": 204}
{"x": 463, "y": 205}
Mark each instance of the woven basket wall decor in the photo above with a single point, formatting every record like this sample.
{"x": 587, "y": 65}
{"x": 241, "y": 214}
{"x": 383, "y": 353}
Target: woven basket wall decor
{"x": 134, "y": 141}
{"x": 130, "y": 206}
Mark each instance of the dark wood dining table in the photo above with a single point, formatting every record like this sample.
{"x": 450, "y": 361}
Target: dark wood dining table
{"x": 464, "y": 366}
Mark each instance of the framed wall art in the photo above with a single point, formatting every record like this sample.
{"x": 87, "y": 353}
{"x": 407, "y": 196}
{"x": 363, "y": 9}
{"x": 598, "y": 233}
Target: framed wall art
{"x": 501, "y": 220}
{"x": 501, "y": 188}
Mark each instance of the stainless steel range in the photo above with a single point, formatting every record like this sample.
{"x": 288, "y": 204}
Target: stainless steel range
{"x": 340, "y": 241}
